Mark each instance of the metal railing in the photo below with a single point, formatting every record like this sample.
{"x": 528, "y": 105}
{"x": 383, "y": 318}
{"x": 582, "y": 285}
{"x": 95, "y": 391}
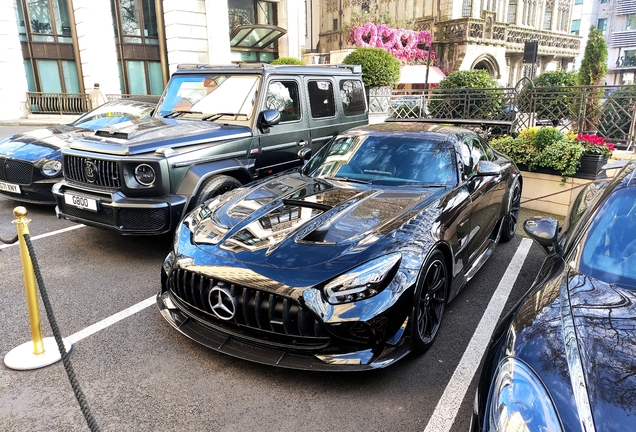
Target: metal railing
{"x": 68, "y": 103}
{"x": 607, "y": 111}
{"x": 57, "y": 103}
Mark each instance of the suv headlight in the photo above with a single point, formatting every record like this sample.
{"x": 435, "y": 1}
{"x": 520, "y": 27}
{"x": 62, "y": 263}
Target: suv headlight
{"x": 519, "y": 401}
{"x": 51, "y": 168}
{"x": 364, "y": 281}
{"x": 145, "y": 174}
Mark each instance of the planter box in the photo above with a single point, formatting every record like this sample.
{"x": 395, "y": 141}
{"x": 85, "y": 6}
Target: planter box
{"x": 547, "y": 193}
{"x": 590, "y": 166}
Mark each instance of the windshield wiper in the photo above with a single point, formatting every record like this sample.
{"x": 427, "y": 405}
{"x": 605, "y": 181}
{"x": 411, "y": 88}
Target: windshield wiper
{"x": 216, "y": 116}
{"x": 348, "y": 179}
{"x": 179, "y": 113}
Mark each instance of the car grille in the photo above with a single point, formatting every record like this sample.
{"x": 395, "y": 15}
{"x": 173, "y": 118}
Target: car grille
{"x": 15, "y": 171}
{"x": 269, "y": 317}
{"x": 108, "y": 174}
{"x": 130, "y": 219}
{"x": 105, "y": 216}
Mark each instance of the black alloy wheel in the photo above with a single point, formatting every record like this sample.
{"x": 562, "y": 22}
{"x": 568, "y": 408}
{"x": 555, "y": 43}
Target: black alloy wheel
{"x": 430, "y": 303}
{"x": 216, "y": 186}
{"x": 509, "y": 224}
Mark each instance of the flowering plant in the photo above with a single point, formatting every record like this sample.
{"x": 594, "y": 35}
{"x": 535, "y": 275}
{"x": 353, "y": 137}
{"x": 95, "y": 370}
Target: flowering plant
{"x": 595, "y": 144}
{"x": 399, "y": 42}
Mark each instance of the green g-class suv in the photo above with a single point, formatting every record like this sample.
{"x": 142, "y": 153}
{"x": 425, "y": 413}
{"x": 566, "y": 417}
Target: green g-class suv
{"x": 214, "y": 129}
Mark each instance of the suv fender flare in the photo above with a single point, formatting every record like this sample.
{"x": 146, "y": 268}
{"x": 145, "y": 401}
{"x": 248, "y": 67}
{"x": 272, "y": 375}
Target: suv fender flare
{"x": 198, "y": 174}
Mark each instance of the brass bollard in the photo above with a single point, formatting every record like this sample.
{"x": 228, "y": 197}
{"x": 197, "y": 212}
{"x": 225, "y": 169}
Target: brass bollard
{"x": 38, "y": 352}
{"x": 22, "y": 224}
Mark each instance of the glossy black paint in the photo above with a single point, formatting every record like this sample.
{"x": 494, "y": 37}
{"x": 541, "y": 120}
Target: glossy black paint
{"x": 275, "y": 245}
{"x": 575, "y": 331}
{"x": 22, "y": 155}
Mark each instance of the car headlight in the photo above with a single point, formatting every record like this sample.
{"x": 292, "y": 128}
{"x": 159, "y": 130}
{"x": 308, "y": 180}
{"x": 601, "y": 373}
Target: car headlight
{"x": 519, "y": 401}
{"x": 51, "y": 168}
{"x": 145, "y": 174}
{"x": 362, "y": 282}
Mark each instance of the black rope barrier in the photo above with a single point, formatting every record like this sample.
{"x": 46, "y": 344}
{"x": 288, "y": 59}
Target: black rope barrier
{"x": 79, "y": 395}
{"x": 10, "y": 241}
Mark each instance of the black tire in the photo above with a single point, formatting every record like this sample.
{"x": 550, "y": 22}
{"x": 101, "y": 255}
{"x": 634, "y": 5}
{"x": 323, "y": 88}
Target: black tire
{"x": 215, "y": 186}
{"x": 510, "y": 220}
{"x": 429, "y": 303}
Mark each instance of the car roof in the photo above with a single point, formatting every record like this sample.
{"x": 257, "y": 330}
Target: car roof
{"x": 266, "y": 68}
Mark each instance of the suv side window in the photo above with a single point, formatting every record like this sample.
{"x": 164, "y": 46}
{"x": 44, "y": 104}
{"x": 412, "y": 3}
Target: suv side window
{"x": 284, "y": 97}
{"x": 321, "y": 99}
{"x": 353, "y": 98}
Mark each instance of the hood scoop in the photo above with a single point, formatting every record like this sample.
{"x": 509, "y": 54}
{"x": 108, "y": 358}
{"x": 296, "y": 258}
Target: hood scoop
{"x": 106, "y": 134}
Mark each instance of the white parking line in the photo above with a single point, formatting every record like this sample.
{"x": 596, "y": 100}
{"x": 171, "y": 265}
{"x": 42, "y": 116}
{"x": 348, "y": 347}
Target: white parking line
{"x": 4, "y": 246}
{"x": 107, "y": 322}
{"x": 448, "y": 406}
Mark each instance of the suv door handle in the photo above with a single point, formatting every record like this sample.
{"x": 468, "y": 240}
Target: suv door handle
{"x": 302, "y": 142}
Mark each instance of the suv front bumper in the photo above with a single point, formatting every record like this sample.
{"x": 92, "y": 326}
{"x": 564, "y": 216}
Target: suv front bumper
{"x": 115, "y": 211}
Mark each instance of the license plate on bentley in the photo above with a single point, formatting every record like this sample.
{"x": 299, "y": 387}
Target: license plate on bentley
{"x": 81, "y": 201}
{"x": 9, "y": 187}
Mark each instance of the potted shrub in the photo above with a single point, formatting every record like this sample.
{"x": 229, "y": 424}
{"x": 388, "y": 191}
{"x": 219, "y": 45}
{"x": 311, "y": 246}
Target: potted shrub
{"x": 549, "y": 151}
{"x": 380, "y": 73}
{"x": 461, "y": 95}
{"x": 555, "y": 98}
{"x": 287, "y": 61}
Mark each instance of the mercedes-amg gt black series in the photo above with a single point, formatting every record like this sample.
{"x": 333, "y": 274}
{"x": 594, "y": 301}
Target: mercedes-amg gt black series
{"x": 564, "y": 358}
{"x": 348, "y": 263}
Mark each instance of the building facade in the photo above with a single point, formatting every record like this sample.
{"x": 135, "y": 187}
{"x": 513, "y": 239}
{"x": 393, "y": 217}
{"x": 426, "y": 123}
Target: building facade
{"x": 474, "y": 34}
{"x": 63, "y": 47}
{"x": 617, "y": 21}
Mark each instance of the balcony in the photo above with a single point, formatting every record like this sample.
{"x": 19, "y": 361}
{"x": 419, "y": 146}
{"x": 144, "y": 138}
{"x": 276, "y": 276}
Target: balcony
{"x": 471, "y": 30}
{"x": 623, "y": 38}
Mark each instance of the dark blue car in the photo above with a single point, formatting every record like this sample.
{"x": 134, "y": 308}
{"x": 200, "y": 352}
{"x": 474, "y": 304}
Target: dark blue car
{"x": 31, "y": 162}
{"x": 564, "y": 358}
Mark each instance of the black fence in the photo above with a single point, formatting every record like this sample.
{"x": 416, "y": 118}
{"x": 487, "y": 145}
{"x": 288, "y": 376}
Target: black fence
{"x": 607, "y": 111}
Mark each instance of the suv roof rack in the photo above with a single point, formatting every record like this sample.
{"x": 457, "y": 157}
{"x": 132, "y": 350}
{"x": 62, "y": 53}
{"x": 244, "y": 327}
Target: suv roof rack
{"x": 357, "y": 69}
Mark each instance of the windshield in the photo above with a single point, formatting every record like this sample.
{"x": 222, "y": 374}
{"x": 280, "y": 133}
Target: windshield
{"x": 234, "y": 96}
{"x": 388, "y": 160}
{"x": 609, "y": 251}
{"x": 112, "y": 113}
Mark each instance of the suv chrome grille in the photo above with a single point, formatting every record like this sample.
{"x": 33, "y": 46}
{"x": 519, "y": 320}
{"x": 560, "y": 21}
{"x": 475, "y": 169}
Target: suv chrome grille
{"x": 106, "y": 172}
{"x": 275, "y": 318}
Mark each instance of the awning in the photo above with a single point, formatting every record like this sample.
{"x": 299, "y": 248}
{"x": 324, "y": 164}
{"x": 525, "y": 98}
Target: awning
{"x": 416, "y": 74}
{"x": 255, "y": 36}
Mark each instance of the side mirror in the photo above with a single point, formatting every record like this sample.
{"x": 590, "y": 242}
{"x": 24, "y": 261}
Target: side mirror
{"x": 544, "y": 232}
{"x": 267, "y": 119}
{"x": 487, "y": 168}
{"x": 304, "y": 154}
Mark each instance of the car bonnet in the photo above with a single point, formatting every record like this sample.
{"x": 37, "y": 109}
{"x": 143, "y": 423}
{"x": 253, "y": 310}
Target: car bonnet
{"x": 38, "y": 143}
{"x": 294, "y": 221}
{"x": 604, "y": 318}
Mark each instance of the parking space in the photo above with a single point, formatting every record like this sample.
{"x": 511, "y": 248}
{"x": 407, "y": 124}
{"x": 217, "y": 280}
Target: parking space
{"x": 140, "y": 374}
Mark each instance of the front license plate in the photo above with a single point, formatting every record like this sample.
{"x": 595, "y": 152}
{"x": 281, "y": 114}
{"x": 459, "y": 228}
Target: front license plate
{"x": 9, "y": 187}
{"x": 81, "y": 202}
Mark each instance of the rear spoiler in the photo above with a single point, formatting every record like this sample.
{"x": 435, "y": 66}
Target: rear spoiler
{"x": 493, "y": 127}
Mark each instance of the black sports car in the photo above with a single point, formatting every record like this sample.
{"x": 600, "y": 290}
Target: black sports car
{"x": 348, "y": 263}
{"x": 564, "y": 359}
{"x": 31, "y": 162}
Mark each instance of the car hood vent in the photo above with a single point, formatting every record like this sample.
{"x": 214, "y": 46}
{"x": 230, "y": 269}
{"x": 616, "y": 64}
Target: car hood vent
{"x": 119, "y": 135}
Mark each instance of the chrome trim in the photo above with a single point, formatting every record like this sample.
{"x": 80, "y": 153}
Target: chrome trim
{"x": 210, "y": 159}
